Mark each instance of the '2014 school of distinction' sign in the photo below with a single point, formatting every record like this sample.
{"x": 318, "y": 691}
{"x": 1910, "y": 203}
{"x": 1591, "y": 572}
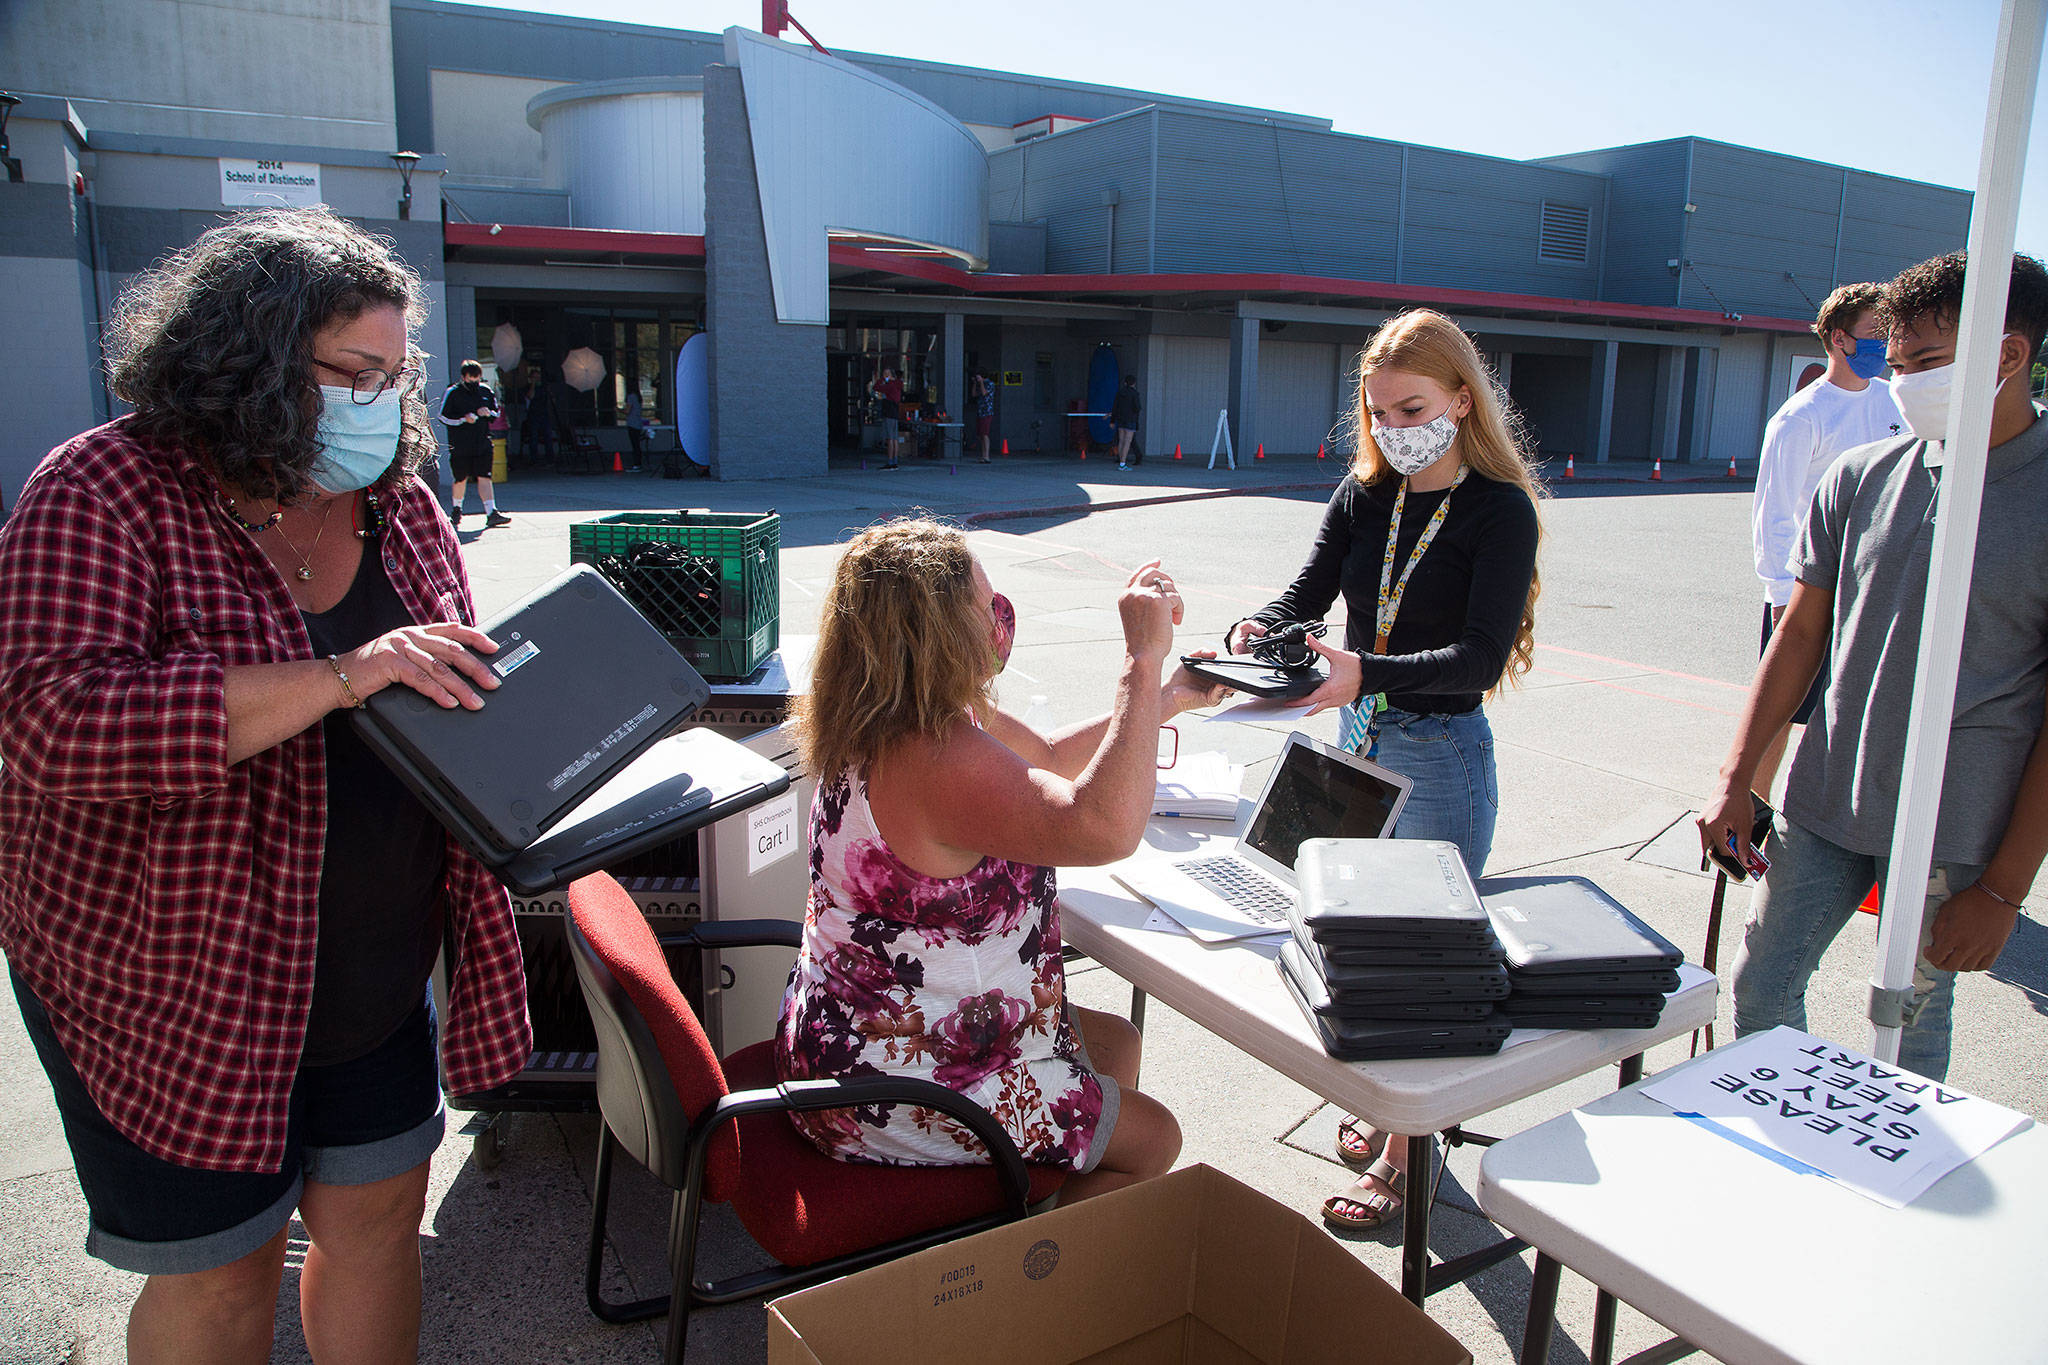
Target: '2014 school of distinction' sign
{"x": 268, "y": 184}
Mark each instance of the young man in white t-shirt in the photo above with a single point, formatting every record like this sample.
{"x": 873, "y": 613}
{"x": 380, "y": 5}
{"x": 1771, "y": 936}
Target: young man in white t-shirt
{"x": 1849, "y": 406}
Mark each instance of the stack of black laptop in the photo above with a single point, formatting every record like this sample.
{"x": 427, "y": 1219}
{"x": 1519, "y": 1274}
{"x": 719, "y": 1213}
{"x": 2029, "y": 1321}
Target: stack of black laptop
{"x": 1392, "y": 954}
{"x": 1575, "y": 959}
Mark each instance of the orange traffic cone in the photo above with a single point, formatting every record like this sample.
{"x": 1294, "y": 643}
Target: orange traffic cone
{"x": 1322, "y": 452}
{"x": 1871, "y": 901}
{"x": 618, "y": 465}
{"x": 1657, "y": 470}
{"x": 1006, "y": 445}
{"x": 1731, "y": 468}
{"x": 1262, "y": 451}
{"x": 1176, "y": 450}
{"x": 1569, "y": 472}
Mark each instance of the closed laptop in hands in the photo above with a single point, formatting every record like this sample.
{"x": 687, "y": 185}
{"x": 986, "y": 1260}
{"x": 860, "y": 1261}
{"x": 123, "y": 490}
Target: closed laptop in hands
{"x": 586, "y": 686}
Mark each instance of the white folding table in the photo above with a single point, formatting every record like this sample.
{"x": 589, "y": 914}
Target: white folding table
{"x": 1234, "y": 990}
{"x": 1755, "y": 1262}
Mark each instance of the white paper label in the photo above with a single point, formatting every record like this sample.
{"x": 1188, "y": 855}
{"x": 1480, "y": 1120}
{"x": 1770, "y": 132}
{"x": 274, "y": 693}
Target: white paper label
{"x": 1873, "y": 1127}
{"x": 771, "y": 832}
{"x": 269, "y": 184}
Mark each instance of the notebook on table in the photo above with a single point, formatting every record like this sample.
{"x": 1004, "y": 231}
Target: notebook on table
{"x": 1240, "y": 890}
{"x": 1360, "y": 1040}
{"x": 1397, "y": 892}
{"x": 1662, "y": 981}
{"x": 1566, "y": 925}
{"x": 1348, "y": 981}
{"x": 586, "y": 686}
{"x": 1444, "y": 1004}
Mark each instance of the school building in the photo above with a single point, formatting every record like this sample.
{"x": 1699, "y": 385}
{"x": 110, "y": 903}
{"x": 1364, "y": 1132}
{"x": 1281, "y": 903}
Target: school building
{"x": 622, "y": 189}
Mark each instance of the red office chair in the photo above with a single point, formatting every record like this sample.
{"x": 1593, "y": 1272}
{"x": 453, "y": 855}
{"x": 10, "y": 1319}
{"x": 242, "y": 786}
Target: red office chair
{"x": 722, "y": 1132}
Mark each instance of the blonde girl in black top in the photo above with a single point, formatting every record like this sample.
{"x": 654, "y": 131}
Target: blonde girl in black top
{"x": 1431, "y": 539}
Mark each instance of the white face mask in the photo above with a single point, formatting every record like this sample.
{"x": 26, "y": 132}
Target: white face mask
{"x": 1410, "y": 450}
{"x": 1924, "y": 399}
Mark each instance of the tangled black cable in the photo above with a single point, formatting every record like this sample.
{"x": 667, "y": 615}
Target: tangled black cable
{"x": 1287, "y": 647}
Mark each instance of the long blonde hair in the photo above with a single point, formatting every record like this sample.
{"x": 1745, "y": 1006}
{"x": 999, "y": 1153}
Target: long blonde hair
{"x": 1489, "y": 437}
{"x": 903, "y": 647}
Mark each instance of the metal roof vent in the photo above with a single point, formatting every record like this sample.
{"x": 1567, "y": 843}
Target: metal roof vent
{"x": 1565, "y": 234}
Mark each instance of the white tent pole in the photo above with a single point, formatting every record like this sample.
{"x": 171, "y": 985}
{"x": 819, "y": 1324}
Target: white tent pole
{"x": 1994, "y": 215}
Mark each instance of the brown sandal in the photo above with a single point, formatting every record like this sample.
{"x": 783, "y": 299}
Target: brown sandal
{"x": 1359, "y": 1144}
{"x": 1388, "y": 1205}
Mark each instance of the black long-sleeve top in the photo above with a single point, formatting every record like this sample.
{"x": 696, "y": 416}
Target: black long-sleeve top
{"x": 1464, "y": 601}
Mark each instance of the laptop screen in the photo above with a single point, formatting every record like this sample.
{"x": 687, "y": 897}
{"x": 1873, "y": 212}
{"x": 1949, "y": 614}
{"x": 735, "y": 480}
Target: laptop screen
{"x": 1315, "y": 796}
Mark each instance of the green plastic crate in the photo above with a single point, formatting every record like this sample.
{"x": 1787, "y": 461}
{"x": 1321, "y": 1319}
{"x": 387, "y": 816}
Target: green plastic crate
{"x": 745, "y": 605}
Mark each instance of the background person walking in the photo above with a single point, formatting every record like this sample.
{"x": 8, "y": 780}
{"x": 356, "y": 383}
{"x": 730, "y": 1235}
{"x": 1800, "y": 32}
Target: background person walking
{"x": 1123, "y": 415}
{"x": 467, "y": 410}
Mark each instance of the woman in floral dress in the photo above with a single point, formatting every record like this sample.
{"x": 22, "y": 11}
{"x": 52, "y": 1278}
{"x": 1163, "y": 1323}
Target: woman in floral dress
{"x": 932, "y": 939}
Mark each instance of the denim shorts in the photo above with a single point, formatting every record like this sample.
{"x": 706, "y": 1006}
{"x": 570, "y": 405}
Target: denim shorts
{"x": 352, "y": 1123}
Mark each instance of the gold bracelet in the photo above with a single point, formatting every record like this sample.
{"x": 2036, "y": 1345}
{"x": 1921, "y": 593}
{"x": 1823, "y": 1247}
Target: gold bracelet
{"x": 355, "y": 703}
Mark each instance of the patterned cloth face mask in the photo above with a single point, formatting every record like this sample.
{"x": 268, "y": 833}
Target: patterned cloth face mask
{"x": 1410, "y": 450}
{"x": 1004, "y": 636}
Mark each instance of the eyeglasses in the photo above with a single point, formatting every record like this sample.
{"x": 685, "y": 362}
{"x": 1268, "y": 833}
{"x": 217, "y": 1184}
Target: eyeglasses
{"x": 367, "y": 386}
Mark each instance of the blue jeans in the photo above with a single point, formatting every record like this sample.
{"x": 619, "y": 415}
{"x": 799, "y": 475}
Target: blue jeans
{"x": 1457, "y": 790}
{"x": 1810, "y": 893}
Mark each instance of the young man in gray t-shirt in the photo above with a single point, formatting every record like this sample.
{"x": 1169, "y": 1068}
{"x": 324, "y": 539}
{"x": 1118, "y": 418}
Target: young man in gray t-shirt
{"x": 1861, "y": 590}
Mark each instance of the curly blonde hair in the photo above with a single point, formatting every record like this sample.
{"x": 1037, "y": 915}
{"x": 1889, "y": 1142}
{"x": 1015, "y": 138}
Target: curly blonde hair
{"x": 903, "y": 647}
{"x": 1489, "y": 438}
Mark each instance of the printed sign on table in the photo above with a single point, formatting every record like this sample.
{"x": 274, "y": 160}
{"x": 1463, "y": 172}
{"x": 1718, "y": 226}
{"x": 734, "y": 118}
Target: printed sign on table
{"x": 1874, "y": 1127}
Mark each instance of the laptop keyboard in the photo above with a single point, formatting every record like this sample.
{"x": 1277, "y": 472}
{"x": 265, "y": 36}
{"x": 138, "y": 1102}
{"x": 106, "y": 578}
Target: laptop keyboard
{"x": 1250, "y": 892}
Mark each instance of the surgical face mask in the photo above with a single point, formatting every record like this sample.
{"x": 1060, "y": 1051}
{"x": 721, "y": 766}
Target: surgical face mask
{"x": 1003, "y": 637}
{"x": 1923, "y": 400}
{"x": 1410, "y": 450}
{"x": 358, "y": 441}
{"x": 1867, "y": 362}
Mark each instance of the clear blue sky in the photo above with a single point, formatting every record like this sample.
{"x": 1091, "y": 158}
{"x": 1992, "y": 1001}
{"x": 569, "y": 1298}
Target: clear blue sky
{"x": 1894, "y": 86}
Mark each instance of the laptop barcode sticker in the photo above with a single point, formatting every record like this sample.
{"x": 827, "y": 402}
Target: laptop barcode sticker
{"x": 503, "y": 667}
{"x": 1513, "y": 914}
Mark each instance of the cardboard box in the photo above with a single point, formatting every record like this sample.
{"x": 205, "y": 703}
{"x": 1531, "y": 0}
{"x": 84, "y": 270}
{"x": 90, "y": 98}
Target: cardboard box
{"x": 1191, "y": 1269}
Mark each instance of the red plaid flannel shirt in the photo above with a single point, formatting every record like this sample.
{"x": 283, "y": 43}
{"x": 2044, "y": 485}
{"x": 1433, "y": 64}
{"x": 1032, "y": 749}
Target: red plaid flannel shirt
{"x": 162, "y": 904}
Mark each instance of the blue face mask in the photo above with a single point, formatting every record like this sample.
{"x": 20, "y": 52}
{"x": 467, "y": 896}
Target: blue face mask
{"x": 358, "y": 441}
{"x": 1868, "y": 361}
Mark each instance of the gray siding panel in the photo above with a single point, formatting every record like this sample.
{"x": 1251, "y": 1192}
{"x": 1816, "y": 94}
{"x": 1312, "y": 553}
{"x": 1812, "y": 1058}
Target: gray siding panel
{"x": 1645, "y": 214}
{"x": 1740, "y": 380}
{"x": 1475, "y": 223}
{"x": 1062, "y": 180}
{"x": 1238, "y": 196}
{"x": 1760, "y": 215}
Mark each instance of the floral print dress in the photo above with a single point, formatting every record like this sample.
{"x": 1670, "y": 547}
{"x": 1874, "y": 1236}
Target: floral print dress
{"x": 957, "y": 980}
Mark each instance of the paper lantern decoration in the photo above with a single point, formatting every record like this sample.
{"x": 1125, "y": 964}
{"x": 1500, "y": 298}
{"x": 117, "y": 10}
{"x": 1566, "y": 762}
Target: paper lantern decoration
{"x": 507, "y": 346}
{"x": 583, "y": 368}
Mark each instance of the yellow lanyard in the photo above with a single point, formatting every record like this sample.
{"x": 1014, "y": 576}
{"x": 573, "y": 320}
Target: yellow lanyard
{"x": 1391, "y": 591}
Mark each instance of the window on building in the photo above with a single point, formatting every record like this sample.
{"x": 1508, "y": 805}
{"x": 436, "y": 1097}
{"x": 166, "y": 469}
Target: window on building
{"x": 1565, "y": 235}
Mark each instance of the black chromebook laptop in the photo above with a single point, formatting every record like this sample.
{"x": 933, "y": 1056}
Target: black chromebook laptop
{"x": 1361, "y": 1040}
{"x": 1444, "y": 1004}
{"x": 585, "y": 686}
{"x": 1567, "y": 925}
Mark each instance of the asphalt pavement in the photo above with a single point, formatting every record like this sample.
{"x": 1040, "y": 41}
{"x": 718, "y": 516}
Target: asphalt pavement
{"x": 1647, "y": 624}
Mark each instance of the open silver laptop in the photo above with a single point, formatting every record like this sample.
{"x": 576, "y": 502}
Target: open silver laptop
{"x": 1240, "y": 890}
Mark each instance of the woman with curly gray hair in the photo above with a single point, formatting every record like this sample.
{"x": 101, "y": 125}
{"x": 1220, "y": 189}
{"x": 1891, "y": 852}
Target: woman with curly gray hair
{"x": 219, "y": 911}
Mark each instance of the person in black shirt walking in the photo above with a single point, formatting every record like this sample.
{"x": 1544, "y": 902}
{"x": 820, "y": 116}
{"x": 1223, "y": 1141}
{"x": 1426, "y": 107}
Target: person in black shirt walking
{"x": 1432, "y": 540}
{"x": 1123, "y": 415}
{"x": 467, "y": 410}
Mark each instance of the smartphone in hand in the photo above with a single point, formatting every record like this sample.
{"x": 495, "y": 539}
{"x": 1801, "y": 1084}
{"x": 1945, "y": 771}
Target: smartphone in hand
{"x": 1760, "y": 816}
